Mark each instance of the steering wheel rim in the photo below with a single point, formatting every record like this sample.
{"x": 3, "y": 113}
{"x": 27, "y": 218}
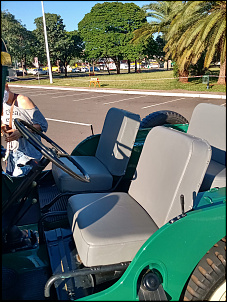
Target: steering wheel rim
{"x": 52, "y": 154}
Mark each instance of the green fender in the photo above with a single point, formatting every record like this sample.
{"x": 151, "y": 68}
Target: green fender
{"x": 174, "y": 250}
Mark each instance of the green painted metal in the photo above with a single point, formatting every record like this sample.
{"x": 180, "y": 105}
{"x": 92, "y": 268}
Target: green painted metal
{"x": 27, "y": 260}
{"x": 174, "y": 250}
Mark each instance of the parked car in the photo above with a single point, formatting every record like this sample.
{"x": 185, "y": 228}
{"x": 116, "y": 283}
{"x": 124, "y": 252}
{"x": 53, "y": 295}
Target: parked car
{"x": 39, "y": 71}
{"x": 76, "y": 69}
{"x": 69, "y": 68}
{"x": 84, "y": 69}
{"x": 19, "y": 72}
{"x": 30, "y": 70}
{"x": 95, "y": 69}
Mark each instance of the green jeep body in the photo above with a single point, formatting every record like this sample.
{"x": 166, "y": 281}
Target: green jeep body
{"x": 169, "y": 257}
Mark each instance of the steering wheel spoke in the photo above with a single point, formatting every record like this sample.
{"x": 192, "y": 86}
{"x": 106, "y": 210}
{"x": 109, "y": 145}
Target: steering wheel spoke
{"x": 53, "y": 154}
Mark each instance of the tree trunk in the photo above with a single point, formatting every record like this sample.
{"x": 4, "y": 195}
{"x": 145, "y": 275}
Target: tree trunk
{"x": 222, "y": 74}
{"x": 183, "y": 76}
{"x": 23, "y": 67}
{"x": 117, "y": 63}
{"x": 135, "y": 65}
{"x": 129, "y": 61}
{"x": 58, "y": 64}
{"x": 107, "y": 67}
{"x": 66, "y": 69}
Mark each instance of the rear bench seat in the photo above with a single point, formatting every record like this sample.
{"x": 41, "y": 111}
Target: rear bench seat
{"x": 208, "y": 121}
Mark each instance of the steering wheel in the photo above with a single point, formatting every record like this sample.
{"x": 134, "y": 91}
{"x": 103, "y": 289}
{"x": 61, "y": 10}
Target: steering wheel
{"x": 53, "y": 154}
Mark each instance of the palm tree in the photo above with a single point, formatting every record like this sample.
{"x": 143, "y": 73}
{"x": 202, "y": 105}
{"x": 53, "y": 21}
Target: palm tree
{"x": 199, "y": 27}
{"x": 162, "y": 13}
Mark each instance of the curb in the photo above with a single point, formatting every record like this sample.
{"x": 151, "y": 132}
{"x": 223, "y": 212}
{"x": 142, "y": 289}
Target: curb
{"x": 192, "y": 95}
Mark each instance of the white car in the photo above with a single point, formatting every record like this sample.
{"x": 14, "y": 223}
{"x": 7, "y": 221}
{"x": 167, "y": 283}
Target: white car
{"x": 84, "y": 69}
{"x": 76, "y": 69}
{"x": 39, "y": 71}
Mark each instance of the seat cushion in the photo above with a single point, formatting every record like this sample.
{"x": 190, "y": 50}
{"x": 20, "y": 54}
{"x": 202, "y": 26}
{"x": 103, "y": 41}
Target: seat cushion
{"x": 101, "y": 179}
{"x": 108, "y": 227}
{"x": 215, "y": 176}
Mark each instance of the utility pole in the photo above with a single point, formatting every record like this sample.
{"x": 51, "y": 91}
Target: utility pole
{"x": 47, "y": 48}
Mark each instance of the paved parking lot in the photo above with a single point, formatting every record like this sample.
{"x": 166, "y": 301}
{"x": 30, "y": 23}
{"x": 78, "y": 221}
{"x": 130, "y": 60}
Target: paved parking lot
{"x": 70, "y": 112}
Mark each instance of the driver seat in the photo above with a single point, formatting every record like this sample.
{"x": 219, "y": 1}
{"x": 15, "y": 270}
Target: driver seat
{"x": 110, "y": 228}
{"x": 111, "y": 158}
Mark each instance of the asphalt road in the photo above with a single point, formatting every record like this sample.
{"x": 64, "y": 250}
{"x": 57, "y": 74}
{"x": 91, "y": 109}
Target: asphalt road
{"x": 70, "y": 113}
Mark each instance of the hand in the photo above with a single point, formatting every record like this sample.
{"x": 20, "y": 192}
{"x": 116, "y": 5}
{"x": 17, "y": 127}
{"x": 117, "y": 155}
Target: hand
{"x": 3, "y": 127}
{"x": 14, "y": 134}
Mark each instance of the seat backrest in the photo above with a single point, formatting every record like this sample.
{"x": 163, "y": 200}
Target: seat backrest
{"x": 117, "y": 139}
{"x": 208, "y": 121}
{"x": 171, "y": 163}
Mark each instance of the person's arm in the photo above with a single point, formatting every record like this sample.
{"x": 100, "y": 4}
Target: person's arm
{"x": 25, "y": 103}
{"x": 14, "y": 134}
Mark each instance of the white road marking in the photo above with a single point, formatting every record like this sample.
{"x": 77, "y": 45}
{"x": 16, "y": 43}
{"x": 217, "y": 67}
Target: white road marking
{"x": 92, "y": 97}
{"x": 43, "y": 94}
{"x": 223, "y": 104}
{"x": 191, "y": 95}
{"x": 124, "y": 100}
{"x": 68, "y": 122}
{"x": 154, "y": 105}
{"x": 63, "y": 96}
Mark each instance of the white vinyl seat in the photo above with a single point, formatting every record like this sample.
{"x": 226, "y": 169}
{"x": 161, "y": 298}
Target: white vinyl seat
{"x": 208, "y": 121}
{"x": 112, "y": 155}
{"x": 111, "y": 227}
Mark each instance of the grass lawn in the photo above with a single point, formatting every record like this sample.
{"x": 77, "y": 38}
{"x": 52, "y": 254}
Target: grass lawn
{"x": 147, "y": 80}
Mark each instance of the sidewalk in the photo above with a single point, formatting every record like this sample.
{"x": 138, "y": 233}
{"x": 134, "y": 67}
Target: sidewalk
{"x": 185, "y": 93}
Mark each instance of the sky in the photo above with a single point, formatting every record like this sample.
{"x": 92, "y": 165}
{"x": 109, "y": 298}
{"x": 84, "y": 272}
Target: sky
{"x": 72, "y": 12}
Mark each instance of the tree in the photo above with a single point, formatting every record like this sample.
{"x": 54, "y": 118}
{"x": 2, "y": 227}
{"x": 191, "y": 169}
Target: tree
{"x": 55, "y": 33}
{"x": 108, "y": 29}
{"x": 18, "y": 39}
{"x": 162, "y": 13}
{"x": 200, "y": 28}
{"x": 70, "y": 46}
{"x": 62, "y": 45}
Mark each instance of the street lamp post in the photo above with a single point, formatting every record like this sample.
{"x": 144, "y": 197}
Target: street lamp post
{"x": 47, "y": 48}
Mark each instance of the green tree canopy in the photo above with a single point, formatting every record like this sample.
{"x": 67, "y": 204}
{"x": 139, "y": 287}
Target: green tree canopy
{"x": 68, "y": 47}
{"x": 162, "y": 13}
{"x": 18, "y": 39}
{"x": 108, "y": 29}
{"x": 62, "y": 45}
{"x": 199, "y": 28}
{"x": 55, "y": 33}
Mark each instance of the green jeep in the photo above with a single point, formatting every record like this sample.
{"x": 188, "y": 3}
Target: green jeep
{"x": 135, "y": 213}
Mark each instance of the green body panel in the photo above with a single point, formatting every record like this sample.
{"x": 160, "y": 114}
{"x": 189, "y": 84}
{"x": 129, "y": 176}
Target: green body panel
{"x": 174, "y": 250}
{"x": 28, "y": 260}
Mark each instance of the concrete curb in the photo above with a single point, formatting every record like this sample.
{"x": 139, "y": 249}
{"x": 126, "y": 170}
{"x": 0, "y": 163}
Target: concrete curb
{"x": 191, "y": 95}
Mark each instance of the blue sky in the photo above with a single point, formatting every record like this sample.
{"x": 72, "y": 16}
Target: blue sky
{"x": 72, "y": 12}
